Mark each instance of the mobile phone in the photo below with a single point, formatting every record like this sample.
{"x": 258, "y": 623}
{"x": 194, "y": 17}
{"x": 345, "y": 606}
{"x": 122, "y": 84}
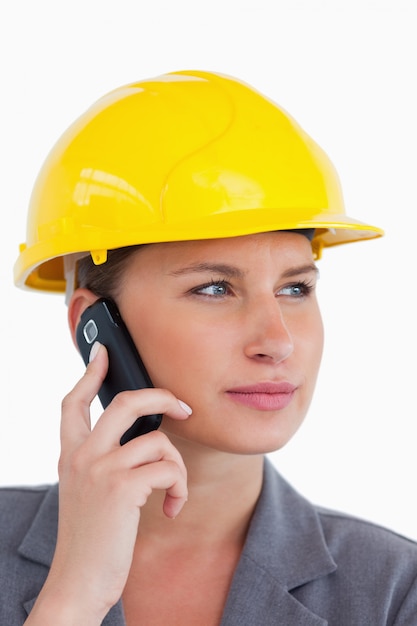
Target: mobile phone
{"x": 102, "y": 322}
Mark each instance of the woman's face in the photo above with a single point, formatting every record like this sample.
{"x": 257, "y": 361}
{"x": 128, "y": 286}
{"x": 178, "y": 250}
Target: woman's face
{"x": 232, "y": 327}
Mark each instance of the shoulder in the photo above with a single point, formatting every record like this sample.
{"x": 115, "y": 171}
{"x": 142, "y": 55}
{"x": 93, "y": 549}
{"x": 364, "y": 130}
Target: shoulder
{"x": 370, "y": 556}
{"x": 342, "y": 532}
{"x": 18, "y": 507}
{"x": 339, "y": 564}
{"x": 28, "y": 526}
{"x": 23, "y": 509}
{"x": 28, "y": 522}
{"x": 376, "y": 569}
{"x": 22, "y": 496}
{"x": 360, "y": 539}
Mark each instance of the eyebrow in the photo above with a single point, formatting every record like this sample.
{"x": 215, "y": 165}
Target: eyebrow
{"x": 230, "y": 271}
{"x": 218, "y": 268}
{"x": 303, "y": 269}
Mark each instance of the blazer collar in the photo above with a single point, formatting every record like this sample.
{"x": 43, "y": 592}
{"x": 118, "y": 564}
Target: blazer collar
{"x": 39, "y": 546}
{"x": 39, "y": 542}
{"x": 284, "y": 548}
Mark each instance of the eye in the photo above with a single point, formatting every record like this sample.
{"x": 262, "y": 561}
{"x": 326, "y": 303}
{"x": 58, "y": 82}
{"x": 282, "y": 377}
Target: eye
{"x": 297, "y": 290}
{"x": 215, "y": 288}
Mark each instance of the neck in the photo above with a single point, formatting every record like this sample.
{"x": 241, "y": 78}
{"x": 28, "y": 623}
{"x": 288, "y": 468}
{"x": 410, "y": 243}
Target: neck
{"x": 223, "y": 491}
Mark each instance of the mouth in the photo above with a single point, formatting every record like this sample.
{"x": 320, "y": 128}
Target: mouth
{"x": 268, "y": 396}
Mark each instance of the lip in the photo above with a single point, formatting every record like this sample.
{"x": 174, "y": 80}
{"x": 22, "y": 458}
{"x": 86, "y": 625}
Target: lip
{"x": 266, "y": 396}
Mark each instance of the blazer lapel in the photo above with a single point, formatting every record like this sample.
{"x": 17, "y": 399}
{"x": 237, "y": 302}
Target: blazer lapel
{"x": 257, "y": 599}
{"x": 284, "y": 548}
{"x": 39, "y": 546}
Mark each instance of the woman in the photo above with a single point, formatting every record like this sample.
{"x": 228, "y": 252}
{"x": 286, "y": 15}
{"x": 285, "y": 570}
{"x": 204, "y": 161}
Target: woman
{"x": 199, "y": 208}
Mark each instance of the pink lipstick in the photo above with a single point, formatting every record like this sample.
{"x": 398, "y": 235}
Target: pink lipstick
{"x": 267, "y": 396}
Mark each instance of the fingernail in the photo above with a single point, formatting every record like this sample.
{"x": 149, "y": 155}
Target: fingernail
{"x": 93, "y": 352}
{"x": 185, "y": 407}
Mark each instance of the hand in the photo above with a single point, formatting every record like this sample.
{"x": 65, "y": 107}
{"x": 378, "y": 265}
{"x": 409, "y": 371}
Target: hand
{"x": 102, "y": 488}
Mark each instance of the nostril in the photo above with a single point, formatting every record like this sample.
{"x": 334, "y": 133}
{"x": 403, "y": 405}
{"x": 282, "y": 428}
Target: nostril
{"x": 273, "y": 351}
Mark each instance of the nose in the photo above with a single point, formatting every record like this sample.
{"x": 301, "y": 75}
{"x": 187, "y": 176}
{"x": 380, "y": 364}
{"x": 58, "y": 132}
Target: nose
{"x": 268, "y": 337}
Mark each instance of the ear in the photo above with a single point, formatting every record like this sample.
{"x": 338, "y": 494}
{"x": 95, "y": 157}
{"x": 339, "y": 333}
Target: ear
{"x": 80, "y": 300}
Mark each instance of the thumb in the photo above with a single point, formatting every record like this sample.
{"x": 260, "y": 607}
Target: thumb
{"x": 75, "y": 419}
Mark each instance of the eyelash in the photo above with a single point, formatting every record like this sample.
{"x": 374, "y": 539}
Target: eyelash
{"x": 305, "y": 288}
{"x": 212, "y": 283}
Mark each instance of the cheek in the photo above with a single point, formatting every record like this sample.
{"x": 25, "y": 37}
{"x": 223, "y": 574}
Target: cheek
{"x": 305, "y": 327}
{"x": 172, "y": 352}
{"x": 311, "y": 340}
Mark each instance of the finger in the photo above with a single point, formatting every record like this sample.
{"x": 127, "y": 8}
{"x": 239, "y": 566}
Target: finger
{"x": 154, "y": 453}
{"x": 127, "y": 406}
{"x": 145, "y": 450}
{"x": 75, "y": 420}
{"x": 166, "y": 476}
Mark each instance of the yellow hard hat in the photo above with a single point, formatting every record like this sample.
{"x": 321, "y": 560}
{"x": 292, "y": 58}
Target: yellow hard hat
{"x": 183, "y": 156}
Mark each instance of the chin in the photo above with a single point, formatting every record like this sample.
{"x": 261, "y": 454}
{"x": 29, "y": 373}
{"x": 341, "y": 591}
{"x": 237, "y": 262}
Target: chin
{"x": 261, "y": 438}
{"x": 254, "y": 447}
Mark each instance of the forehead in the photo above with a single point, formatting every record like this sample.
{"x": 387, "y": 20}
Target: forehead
{"x": 284, "y": 246}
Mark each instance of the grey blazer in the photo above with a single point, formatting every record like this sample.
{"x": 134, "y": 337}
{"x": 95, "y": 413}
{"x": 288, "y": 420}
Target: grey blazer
{"x": 301, "y": 565}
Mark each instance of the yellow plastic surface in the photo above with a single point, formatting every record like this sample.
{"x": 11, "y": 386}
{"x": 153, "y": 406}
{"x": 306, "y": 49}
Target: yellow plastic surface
{"x": 187, "y": 155}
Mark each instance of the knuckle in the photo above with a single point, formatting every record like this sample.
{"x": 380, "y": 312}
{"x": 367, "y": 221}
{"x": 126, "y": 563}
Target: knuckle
{"x": 122, "y": 400}
{"x": 62, "y": 463}
{"x": 67, "y": 401}
{"x": 157, "y": 437}
{"x": 73, "y": 401}
{"x": 73, "y": 464}
{"x": 173, "y": 473}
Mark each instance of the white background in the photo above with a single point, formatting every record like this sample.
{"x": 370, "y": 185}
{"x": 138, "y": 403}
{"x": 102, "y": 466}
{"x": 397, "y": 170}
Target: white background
{"x": 346, "y": 70}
